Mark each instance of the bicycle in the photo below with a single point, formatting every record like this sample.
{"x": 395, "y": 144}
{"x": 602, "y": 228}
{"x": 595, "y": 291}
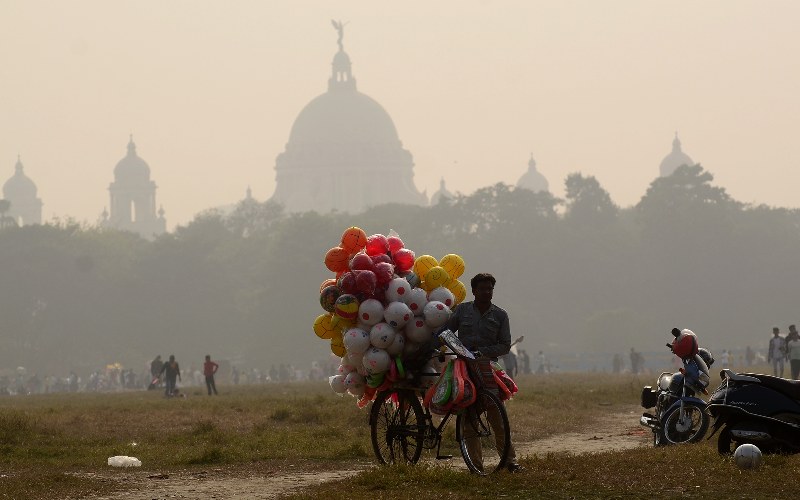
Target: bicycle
{"x": 400, "y": 428}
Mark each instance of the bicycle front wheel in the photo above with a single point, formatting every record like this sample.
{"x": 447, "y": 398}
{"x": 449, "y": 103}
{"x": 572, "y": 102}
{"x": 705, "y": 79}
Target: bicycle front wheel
{"x": 397, "y": 427}
{"x": 484, "y": 435}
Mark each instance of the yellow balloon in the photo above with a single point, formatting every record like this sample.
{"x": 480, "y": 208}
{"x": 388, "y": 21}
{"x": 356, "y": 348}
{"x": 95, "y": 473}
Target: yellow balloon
{"x": 459, "y": 290}
{"x": 323, "y": 326}
{"x": 423, "y": 264}
{"x": 436, "y": 277}
{"x": 453, "y": 264}
{"x": 337, "y": 345}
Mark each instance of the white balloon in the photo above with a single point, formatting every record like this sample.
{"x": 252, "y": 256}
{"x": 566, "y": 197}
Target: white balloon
{"x": 443, "y": 295}
{"x": 417, "y": 298}
{"x": 398, "y": 290}
{"x": 354, "y": 383}
{"x": 370, "y": 312}
{"x": 418, "y": 331}
{"x": 381, "y": 335}
{"x": 337, "y": 383}
{"x": 398, "y": 343}
{"x": 397, "y": 314}
{"x": 436, "y": 314}
{"x": 356, "y": 340}
{"x": 376, "y": 360}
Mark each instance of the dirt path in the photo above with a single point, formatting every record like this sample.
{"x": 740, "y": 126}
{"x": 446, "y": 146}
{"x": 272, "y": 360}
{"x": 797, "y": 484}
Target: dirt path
{"x": 618, "y": 431}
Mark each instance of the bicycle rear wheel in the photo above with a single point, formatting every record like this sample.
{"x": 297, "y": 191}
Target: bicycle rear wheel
{"x": 484, "y": 435}
{"x": 397, "y": 427}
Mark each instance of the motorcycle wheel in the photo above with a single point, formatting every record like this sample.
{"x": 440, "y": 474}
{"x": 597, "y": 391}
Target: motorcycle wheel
{"x": 691, "y": 430}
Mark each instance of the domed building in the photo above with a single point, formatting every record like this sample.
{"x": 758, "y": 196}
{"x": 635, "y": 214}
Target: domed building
{"x": 675, "y": 159}
{"x": 133, "y": 198}
{"x": 442, "y": 193}
{"x": 21, "y": 193}
{"x": 344, "y": 153}
{"x": 533, "y": 179}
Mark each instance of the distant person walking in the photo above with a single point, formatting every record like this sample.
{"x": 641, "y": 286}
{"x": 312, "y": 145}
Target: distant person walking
{"x": 209, "y": 369}
{"x": 793, "y": 351}
{"x": 749, "y": 356}
{"x": 155, "y": 372}
{"x": 616, "y": 364}
{"x": 776, "y": 352}
{"x": 725, "y": 358}
{"x": 172, "y": 373}
{"x": 525, "y": 360}
{"x": 637, "y": 361}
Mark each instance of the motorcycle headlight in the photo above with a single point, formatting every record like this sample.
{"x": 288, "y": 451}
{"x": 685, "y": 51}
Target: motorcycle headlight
{"x": 664, "y": 380}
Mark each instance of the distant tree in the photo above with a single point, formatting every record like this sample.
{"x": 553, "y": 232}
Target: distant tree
{"x": 588, "y": 204}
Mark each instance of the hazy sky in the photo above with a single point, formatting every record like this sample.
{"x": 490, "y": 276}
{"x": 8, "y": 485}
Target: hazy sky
{"x": 210, "y": 90}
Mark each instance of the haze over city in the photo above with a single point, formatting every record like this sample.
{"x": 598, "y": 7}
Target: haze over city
{"x": 210, "y": 91}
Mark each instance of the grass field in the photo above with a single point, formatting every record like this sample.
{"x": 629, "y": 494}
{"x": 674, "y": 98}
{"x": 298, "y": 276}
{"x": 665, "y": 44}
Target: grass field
{"x": 56, "y": 446}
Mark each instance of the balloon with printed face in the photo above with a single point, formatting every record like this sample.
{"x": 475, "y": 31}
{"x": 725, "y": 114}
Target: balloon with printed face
{"x": 453, "y": 264}
{"x": 354, "y": 239}
{"x": 403, "y": 260}
{"x": 337, "y": 345}
{"x": 397, "y": 314}
{"x": 376, "y": 360}
{"x": 397, "y": 345}
{"x": 323, "y": 327}
{"x": 337, "y": 259}
{"x": 418, "y": 331}
{"x": 417, "y": 298}
{"x": 436, "y": 314}
{"x": 356, "y": 340}
{"x": 370, "y": 312}
{"x": 423, "y": 264}
{"x": 377, "y": 244}
{"x": 384, "y": 272}
{"x": 397, "y": 291}
{"x": 444, "y": 296}
{"x": 361, "y": 262}
{"x": 458, "y": 289}
{"x": 381, "y": 335}
{"x": 328, "y": 297}
{"x": 436, "y": 277}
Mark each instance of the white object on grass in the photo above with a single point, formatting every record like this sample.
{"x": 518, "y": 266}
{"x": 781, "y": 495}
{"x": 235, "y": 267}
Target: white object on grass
{"x": 747, "y": 456}
{"x": 124, "y": 461}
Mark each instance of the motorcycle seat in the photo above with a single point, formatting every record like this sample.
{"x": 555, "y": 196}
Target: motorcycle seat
{"x": 789, "y": 387}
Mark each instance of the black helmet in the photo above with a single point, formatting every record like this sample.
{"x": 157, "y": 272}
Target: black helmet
{"x": 706, "y": 355}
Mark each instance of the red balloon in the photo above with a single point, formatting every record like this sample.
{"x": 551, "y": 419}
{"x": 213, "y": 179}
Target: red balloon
{"x": 403, "y": 260}
{"x": 384, "y": 272}
{"x": 381, "y": 257}
{"x": 366, "y": 282}
{"x": 395, "y": 244}
{"x": 361, "y": 262}
{"x": 377, "y": 244}
{"x": 347, "y": 283}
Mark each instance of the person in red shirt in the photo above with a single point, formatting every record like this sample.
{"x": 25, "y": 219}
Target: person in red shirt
{"x": 209, "y": 369}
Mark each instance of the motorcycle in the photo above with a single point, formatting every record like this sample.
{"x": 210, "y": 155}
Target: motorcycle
{"x": 758, "y": 409}
{"x": 679, "y": 415}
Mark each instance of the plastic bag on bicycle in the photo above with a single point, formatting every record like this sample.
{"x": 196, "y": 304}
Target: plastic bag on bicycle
{"x": 453, "y": 391}
{"x": 505, "y": 384}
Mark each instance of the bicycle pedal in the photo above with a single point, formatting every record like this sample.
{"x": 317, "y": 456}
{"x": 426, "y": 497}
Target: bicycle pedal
{"x": 444, "y": 457}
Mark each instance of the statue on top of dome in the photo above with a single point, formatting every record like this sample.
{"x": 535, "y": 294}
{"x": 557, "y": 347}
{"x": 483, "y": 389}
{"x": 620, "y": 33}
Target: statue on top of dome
{"x": 339, "y": 26}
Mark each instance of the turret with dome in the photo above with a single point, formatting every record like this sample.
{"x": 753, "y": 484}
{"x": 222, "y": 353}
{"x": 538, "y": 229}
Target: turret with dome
{"x": 676, "y": 158}
{"x": 133, "y": 197}
{"x": 533, "y": 179}
{"x": 344, "y": 152}
{"x": 21, "y": 192}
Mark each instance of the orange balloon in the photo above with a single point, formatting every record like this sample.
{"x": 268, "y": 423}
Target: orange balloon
{"x": 326, "y": 283}
{"x": 337, "y": 259}
{"x": 354, "y": 239}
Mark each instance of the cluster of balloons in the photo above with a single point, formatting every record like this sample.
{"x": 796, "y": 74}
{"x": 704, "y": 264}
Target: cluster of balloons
{"x": 383, "y": 304}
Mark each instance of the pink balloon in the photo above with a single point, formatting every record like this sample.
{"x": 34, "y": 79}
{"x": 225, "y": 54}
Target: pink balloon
{"x": 403, "y": 260}
{"x": 381, "y": 257}
{"x": 377, "y": 244}
{"x": 384, "y": 272}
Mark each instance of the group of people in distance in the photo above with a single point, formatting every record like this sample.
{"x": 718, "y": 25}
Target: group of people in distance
{"x": 172, "y": 374}
{"x": 782, "y": 349}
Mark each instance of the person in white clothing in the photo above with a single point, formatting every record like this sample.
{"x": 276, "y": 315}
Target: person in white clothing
{"x": 793, "y": 351}
{"x": 776, "y": 352}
